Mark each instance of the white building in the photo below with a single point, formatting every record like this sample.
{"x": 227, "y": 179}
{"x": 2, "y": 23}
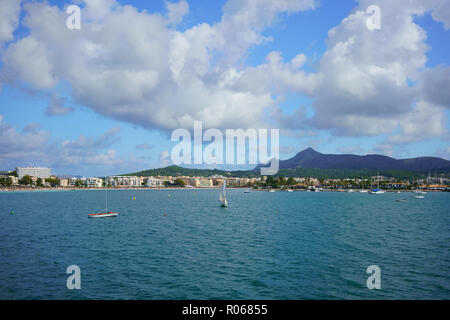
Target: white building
{"x": 124, "y": 181}
{"x": 153, "y": 182}
{"x": 73, "y": 181}
{"x": 35, "y": 172}
{"x": 95, "y": 182}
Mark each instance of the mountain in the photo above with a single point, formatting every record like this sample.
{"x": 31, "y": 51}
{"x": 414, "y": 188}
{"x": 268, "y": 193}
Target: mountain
{"x": 310, "y": 163}
{"x": 309, "y": 158}
{"x": 176, "y": 171}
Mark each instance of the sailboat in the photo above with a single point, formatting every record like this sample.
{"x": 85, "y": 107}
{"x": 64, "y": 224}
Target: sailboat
{"x": 222, "y": 195}
{"x": 104, "y": 213}
{"x": 362, "y": 190}
{"x": 377, "y": 190}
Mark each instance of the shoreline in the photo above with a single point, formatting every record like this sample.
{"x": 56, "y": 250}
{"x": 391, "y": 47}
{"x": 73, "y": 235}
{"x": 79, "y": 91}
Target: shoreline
{"x": 49, "y": 189}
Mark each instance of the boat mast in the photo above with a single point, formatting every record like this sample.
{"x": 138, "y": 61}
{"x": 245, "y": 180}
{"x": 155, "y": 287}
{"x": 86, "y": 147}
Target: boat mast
{"x": 378, "y": 181}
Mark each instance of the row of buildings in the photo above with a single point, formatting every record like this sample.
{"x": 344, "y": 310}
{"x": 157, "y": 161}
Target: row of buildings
{"x": 160, "y": 181}
{"x": 46, "y": 179}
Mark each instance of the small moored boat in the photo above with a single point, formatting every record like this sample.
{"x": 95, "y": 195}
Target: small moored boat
{"x": 104, "y": 213}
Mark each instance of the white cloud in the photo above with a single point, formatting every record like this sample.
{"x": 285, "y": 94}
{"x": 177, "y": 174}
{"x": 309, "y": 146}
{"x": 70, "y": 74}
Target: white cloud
{"x": 435, "y": 83}
{"x": 34, "y": 146}
{"x": 277, "y": 76}
{"x": 425, "y": 121}
{"x": 29, "y": 60}
{"x": 367, "y": 73}
{"x": 365, "y": 76}
{"x": 9, "y": 19}
{"x": 132, "y": 66}
{"x": 164, "y": 159}
{"x": 441, "y": 13}
{"x": 30, "y": 144}
{"x": 176, "y": 11}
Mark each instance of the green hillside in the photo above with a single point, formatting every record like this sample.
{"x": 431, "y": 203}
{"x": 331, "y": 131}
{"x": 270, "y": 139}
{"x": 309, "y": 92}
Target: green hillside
{"x": 176, "y": 171}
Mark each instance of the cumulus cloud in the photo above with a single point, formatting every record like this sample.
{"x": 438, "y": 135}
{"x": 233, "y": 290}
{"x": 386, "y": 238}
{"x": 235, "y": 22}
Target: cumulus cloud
{"x": 434, "y": 83}
{"x": 441, "y": 13}
{"x": 367, "y": 72}
{"x": 364, "y": 78}
{"x": 132, "y": 66}
{"x": 37, "y": 72}
{"x": 9, "y": 19}
{"x": 277, "y": 76}
{"x": 425, "y": 121}
{"x": 135, "y": 66}
{"x": 177, "y": 11}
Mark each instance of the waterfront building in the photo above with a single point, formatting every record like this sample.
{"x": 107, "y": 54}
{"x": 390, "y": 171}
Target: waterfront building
{"x": 63, "y": 182}
{"x": 73, "y": 181}
{"x": 202, "y": 182}
{"x": 15, "y": 180}
{"x": 36, "y": 172}
{"x": 94, "y": 182}
{"x": 218, "y": 181}
{"x": 154, "y": 182}
{"x": 124, "y": 181}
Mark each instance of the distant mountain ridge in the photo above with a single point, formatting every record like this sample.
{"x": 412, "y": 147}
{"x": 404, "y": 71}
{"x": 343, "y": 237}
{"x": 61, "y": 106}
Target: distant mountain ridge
{"x": 310, "y": 158}
{"x": 310, "y": 163}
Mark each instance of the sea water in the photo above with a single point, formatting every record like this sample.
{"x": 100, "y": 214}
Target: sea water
{"x": 180, "y": 244}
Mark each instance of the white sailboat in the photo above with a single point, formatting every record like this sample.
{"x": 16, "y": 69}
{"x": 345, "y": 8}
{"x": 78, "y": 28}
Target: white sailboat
{"x": 377, "y": 190}
{"x": 223, "y": 196}
{"x": 362, "y": 190}
{"x": 104, "y": 213}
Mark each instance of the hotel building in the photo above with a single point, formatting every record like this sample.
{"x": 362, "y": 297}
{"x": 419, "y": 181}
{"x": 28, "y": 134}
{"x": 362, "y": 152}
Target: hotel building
{"x": 35, "y": 172}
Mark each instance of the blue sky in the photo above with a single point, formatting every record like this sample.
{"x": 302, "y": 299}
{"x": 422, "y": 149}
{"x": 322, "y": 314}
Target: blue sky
{"x": 99, "y": 130}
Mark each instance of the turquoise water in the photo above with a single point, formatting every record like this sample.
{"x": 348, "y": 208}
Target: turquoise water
{"x": 264, "y": 246}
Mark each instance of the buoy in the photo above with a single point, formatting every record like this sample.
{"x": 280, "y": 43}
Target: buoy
{"x": 134, "y": 198}
{"x": 12, "y": 212}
